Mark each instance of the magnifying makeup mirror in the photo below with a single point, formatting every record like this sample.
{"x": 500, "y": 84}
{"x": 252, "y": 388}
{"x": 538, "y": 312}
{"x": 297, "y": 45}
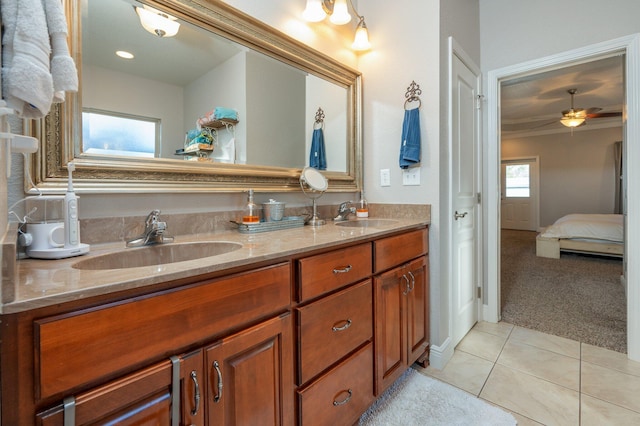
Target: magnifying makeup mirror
{"x": 316, "y": 184}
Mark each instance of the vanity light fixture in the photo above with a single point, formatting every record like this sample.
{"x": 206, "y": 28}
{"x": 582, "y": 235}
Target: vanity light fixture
{"x": 157, "y": 22}
{"x": 338, "y": 11}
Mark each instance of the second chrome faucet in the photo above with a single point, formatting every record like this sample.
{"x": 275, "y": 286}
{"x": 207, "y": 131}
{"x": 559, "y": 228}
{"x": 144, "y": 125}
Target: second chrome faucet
{"x": 344, "y": 210}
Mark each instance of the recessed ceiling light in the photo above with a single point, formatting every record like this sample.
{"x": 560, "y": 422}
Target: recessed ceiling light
{"x": 124, "y": 54}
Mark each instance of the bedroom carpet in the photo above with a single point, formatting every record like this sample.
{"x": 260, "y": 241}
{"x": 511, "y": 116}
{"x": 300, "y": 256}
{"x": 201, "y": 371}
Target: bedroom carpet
{"x": 579, "y": 297}
{"x": 417, "y": 400}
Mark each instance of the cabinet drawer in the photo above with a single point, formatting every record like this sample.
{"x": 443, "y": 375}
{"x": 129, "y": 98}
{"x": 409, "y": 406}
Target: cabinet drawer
{"x": 341, "y": 395}
{"x": 392, "y": 251}
{"x": 107, "y": 340}
{"x": 329, "y": 271}
{"x": 332, "y": 327}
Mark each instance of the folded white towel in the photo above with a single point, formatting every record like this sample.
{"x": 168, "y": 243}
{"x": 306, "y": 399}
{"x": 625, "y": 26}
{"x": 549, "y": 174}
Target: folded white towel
{"x": 31, "y": 72}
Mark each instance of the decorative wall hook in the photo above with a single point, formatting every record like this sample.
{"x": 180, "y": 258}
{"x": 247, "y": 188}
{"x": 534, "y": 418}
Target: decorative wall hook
{"x": 412, "y": 95}
{"x": 319, "y": 120}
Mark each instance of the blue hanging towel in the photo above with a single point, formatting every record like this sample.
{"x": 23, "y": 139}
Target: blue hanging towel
{"x": 410, "y": 147}
{"x": 317, "y": 157}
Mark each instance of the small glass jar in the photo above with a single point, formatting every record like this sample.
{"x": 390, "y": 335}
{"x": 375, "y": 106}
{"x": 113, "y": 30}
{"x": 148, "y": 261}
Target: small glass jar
{"x": 362, "y": 208}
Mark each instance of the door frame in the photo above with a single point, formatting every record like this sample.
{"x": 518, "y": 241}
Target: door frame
{"x": 630, "y": 47}
{"x": 535, "y": 183}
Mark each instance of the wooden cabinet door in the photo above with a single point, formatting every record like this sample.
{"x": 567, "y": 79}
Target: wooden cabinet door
{"x": 401, "y": 320}
{"x": 250, "y": 376}
{"x": 417, "y": 310}
{"x": 141, "y": 398}
{"x": 390, "y": 341}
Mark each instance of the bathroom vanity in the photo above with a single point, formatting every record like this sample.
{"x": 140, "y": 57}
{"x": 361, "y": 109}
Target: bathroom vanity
{"x": 302, "y": 326}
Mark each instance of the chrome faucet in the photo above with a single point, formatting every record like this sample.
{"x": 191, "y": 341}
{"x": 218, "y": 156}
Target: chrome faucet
{"x": 344, "y": 210}
{"x": 153, "y": 232}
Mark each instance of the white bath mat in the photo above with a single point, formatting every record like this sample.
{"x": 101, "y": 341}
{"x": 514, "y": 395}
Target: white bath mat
{"x": 415, "y": 399}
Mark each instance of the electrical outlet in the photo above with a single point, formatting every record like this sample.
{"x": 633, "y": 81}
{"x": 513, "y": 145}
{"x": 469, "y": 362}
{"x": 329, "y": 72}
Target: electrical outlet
{"x": 411, "y": 176}
{"x": 385, "y": 177}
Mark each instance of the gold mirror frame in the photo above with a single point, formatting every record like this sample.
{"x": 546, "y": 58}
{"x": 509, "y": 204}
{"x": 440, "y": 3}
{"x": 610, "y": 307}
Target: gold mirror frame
{"x": 60, "y": 132}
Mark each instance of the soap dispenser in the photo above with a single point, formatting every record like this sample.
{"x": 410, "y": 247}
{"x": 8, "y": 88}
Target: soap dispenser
{"x": 362, "y": 209}
{"x": 251, "y": 212}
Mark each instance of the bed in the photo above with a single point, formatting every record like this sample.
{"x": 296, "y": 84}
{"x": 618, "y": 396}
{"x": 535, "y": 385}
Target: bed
{"x": 600, "y": 234}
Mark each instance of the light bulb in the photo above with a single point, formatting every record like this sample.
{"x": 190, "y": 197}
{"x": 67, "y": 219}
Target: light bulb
{"x": 314, "y": 11}
{"x": 361, "y": 39}
{"x": 340, "y": 15}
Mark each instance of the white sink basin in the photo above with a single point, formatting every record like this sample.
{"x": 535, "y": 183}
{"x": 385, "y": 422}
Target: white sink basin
{"x": 367, "y": 223}
{"x": 157, "y": 255}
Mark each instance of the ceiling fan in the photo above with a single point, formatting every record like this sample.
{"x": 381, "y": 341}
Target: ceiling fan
{"x": 575, "y": 117}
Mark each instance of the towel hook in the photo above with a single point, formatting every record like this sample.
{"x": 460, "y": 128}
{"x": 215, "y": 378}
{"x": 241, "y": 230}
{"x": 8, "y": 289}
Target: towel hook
{"x": 319, "y": 118}
{"x": 412, "y": 94}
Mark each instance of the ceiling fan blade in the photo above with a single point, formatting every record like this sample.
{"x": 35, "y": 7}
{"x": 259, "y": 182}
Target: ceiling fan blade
{"x": 527, "y": 125}
{"x": 593, "y": 110}
{"x": 605, "y": 114}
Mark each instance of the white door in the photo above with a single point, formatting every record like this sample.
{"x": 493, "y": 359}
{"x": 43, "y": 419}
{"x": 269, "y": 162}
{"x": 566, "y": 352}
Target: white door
{"x": 465, "y": 101}
{"x": 519, "y": 194}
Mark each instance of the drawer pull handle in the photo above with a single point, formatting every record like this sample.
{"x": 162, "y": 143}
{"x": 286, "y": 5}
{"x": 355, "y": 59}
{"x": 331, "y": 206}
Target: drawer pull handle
{"x": 217, "y": 396}
{"x": 346, "y": 325}
{"x": 342, "y": 270}
{"x": 196, "y": 396}
{"x": 344, "y": 401}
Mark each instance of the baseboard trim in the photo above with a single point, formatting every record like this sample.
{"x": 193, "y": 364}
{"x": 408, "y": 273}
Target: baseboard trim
{"x": 440, "y": 355}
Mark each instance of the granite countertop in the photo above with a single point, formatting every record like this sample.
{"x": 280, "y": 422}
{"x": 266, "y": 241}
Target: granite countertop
{"x": 40, "y": 283}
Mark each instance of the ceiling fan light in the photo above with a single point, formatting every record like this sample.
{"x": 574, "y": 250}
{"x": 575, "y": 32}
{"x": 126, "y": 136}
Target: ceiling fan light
{"x": 572, "y": 121}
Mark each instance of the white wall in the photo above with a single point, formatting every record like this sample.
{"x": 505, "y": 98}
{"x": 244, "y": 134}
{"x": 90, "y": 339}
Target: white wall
{"x": 276, "y": 126}
{"x": 577, "y": 173}
{"x": 512, "y": 32}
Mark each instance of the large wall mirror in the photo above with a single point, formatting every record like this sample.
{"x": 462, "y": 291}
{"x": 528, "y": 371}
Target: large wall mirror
{"x": 142, "y": 124}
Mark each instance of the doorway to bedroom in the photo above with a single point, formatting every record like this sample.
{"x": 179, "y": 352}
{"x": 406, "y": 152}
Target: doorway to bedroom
{"x": 548, "y": 171}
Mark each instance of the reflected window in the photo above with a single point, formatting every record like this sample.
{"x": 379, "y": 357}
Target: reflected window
{"x": 112, "y": 133}
{"x": 518, "y": 183}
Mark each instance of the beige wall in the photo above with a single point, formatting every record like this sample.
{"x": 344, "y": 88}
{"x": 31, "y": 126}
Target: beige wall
{"x": 577, "y": 172}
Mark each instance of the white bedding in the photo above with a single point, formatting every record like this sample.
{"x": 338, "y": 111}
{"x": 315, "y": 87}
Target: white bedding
{"x": 593, "y": 226}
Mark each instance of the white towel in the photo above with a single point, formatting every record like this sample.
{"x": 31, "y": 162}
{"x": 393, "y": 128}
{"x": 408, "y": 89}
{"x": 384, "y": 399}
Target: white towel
{"x": 27, "y": 59}
{"x": 63, "y": 68}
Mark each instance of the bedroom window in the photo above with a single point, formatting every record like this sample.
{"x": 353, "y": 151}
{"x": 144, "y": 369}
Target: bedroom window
{"x": 105, "y": 132}
{"x": 518, "y": 183}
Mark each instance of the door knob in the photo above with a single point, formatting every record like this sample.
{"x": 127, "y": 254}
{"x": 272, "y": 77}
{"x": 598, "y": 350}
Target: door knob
{"x": 460, "y": 215}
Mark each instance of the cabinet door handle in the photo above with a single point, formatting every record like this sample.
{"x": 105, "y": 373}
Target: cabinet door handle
{"x": 217, "y": 396}
{"x": 413, "y": 281}
{"x": 342, "y": 269}
{"x": 196, "y": 396}
{"x": 346, "y": 325}
{"x": 344, "y": 401}
{"x": 404, "y": 293}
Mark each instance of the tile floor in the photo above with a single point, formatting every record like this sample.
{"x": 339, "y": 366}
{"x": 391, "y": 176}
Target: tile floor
{"x": 545, "y": 379}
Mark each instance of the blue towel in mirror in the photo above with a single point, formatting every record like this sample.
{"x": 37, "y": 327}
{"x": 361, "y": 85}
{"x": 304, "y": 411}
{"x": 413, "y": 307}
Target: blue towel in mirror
{"x": 410, "y": 148}
{"x": 317, "y": 157}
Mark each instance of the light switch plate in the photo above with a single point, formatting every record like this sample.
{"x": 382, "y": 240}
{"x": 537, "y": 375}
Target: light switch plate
{"x": 385, "y": 177}
{"x": 411, "y": 176}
